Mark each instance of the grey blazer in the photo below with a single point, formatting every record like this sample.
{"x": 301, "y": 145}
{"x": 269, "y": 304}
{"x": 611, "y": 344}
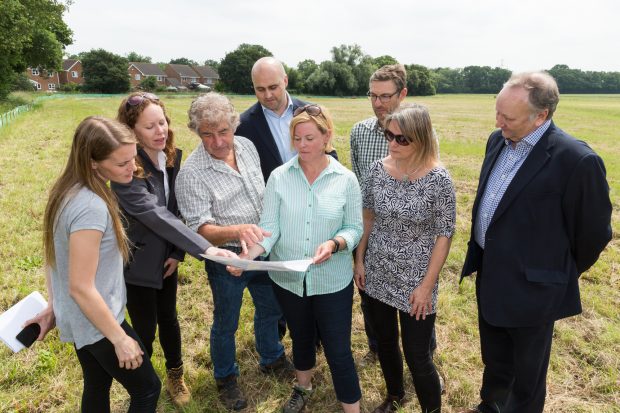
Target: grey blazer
{"x": 154, "y": 229}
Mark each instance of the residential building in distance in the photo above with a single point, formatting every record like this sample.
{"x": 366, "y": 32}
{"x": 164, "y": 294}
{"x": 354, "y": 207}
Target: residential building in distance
{"x": 43, "y": 80}
{"x": 138, "y": 71}
{"x": 71, "y": 72}
{"x": 208, "y": 75}
{"x": 183, "y": 73}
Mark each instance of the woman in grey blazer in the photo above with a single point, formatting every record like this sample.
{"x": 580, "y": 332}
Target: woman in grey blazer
{"x": 159, "y": 238}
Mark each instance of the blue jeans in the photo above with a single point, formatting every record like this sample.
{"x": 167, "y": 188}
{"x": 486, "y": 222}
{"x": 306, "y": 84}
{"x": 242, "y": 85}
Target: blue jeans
{"x": 227, "y": 298}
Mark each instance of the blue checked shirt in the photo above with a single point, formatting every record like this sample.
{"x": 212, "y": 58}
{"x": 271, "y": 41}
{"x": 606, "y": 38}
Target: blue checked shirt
{"x": 504, "y": 170}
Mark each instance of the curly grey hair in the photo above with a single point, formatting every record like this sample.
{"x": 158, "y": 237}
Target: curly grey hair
{"x": 212, "y": 108}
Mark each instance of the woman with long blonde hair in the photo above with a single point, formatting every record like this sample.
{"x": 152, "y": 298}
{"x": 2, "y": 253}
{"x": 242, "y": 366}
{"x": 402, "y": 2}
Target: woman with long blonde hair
{"x": 85, "y": 250}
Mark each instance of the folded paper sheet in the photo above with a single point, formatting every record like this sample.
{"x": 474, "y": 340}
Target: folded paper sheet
{"x": 247, "y": 265}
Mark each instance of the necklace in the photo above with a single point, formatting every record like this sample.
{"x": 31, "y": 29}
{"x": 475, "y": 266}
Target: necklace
{"x": 408, "y": 172}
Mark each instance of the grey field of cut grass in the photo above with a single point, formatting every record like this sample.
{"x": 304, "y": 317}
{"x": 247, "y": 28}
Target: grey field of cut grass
{"x": 584, "y": 370}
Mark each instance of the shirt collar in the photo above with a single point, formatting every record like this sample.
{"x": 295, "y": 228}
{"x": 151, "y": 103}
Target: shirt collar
{"x": 534, "y": 136}
{"x": 289, "y": 108}
{"x": 331, "y": 167}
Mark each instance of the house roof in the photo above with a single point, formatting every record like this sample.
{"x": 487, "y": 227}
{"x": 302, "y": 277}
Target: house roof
{"x": 206, "y": 72}
{"x": 67, "y": 64}
{"x": 184, "y": 70}
{"x": 148, "y": 69}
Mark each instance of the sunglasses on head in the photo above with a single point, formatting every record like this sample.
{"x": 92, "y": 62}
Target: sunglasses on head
{"x": 135, "y": 100}
{"x": 312, "y": 110}
{"x": 400, "y": 139}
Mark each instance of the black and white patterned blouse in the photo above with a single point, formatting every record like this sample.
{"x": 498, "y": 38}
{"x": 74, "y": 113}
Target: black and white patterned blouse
{"x": 409, "y": 216}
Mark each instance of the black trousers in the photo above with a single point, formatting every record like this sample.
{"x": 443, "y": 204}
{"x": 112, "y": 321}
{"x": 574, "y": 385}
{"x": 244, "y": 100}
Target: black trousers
{"x": 150, "y": 308}
{"x": 515, "y": 366}
{"x": 416, "y": 338}
{"x": 100, "y": 366}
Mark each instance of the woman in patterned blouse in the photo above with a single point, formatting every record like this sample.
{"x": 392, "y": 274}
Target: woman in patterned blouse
{"x": 409, "y": 218}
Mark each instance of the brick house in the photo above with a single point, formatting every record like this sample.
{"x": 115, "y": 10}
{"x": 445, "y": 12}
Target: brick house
{"x": 43, "y": 80}
{"x": 183, "y": 73}
{"x": 208, "y": 75}
{"x": 138, "y": 71}
{"x": 71, "y": 72}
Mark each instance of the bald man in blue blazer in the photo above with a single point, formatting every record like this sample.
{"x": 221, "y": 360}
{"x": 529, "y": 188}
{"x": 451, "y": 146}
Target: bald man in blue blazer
{"x": 541, "y": 217}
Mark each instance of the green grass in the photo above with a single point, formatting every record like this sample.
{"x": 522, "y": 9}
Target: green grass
{"x": 584, "y": 366}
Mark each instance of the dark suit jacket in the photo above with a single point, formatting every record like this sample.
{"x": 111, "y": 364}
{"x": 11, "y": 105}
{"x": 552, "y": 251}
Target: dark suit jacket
{"x": 154, "y": 229}
{"x": 550, "y": 226}
{"x": 254, "y": 126}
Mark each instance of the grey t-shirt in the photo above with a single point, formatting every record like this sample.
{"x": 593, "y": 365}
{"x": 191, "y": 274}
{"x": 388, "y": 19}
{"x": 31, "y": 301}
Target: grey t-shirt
{"x": 83, "y": 210}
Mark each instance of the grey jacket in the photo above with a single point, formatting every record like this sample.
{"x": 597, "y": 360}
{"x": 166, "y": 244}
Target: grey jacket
{"x": 155, "y": 231}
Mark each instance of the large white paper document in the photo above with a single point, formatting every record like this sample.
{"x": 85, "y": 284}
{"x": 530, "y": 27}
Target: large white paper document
{"x": 11, "y": 320}
{"x": 248, "y": 265}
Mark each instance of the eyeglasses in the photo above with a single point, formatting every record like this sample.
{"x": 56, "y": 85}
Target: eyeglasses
{"x": 400, "y": 139}
{"x": 383, "y": 98}
{"x": 312, "y": 110}
{"x": 135, "y": 100}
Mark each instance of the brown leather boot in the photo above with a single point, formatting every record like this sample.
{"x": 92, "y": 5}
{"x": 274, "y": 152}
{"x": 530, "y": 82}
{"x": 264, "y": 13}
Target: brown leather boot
{"x": 175, "y": 385}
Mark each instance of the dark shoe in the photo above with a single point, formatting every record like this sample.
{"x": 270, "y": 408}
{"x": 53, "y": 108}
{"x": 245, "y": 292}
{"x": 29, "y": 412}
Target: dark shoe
{"x": 390, "y": 404}
{"x": 470, "y": 410}
{"x": 281, "y": 367}
{"x": 298, "y": 400}
{"x": 230, "y": 394}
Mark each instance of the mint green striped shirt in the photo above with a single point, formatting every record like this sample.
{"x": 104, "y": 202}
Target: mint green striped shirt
{"x": 301, "y": 216}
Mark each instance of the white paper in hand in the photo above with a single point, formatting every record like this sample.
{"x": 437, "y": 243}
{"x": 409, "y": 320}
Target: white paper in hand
{"x": 11, "y": 320}
{"x": 248, "y": 265}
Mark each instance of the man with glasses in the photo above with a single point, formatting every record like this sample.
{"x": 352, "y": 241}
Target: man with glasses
{"x": 387, "y": 89}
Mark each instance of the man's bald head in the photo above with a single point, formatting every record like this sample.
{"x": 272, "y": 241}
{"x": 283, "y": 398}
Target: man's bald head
{"x": 270, "y": 82}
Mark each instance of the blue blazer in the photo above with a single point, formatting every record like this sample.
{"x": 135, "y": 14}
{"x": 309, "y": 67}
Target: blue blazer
{"x": 549, "y": 227}
{"x": 254, "y": 126}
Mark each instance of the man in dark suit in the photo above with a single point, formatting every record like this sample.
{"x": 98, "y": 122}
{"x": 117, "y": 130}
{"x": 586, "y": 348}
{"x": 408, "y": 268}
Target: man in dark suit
{"x": 266, "y": 123}
{"x": 541, "y": 217}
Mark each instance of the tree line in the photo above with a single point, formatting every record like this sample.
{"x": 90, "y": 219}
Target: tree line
{"x": 33, "y": 34}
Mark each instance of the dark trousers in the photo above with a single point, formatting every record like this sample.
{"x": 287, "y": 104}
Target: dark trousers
{"x": 515, "y": 366}
{"x": 330, "y": 314}
{"x": 100, "y": 365}
{"x": 150, "y": 308}
{"x": 416, "y": 338}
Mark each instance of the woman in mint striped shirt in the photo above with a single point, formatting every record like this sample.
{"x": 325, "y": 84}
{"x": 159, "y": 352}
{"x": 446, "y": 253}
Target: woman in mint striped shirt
{"x": 312, "y": 207}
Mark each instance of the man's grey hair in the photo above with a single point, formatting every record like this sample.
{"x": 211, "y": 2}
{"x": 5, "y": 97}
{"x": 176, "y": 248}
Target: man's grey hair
{"x": 212, "y": 108}
{"x": 542, "y": 90}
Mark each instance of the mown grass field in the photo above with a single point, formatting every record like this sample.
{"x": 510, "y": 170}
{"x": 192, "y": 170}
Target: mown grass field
{"x": 584, "y": 371}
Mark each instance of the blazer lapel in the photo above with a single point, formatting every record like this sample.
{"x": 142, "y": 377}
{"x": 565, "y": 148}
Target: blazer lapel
{"x": 265, "y": 133}
{"x": 536, "y": 159}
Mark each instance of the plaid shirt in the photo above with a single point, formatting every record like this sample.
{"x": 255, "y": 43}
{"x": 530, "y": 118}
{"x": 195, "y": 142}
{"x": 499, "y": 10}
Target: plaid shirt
{"x": 367, "y": 145}
{"x": 211, "y": 192}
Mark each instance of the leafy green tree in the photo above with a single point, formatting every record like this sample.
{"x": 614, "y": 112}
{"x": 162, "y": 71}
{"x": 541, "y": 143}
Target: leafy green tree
{"x": 350, "y": 55}
{"x": 236, "y": 66}
{"x": 32, "y": 33}
{"x": 183, "y": 61}
{"x": 332, "y": 79}
{"x": 135, "y": 57}
{"x": 105, "y": 72}
{"x": 362, "y": 73}
{"x": 293, "y": 79}
{"x": 149, "y": 83}
{"x": 304, "y": 69}
{"x": 384, "y": 60}
{"x": 448, "y": 80}
{"x": 419, "y": 81}
{"x": 214, "y": 64}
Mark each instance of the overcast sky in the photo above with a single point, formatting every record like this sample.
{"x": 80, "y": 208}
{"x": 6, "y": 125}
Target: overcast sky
{"x": 514, "y": 34}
